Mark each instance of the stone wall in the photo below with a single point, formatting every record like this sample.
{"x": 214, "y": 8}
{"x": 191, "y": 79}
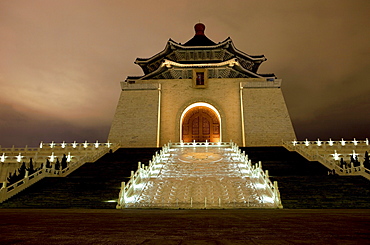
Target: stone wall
{"x": 266, "y": 117}
{"x": 136, "y": 119}
{"x": 178, "y": 94}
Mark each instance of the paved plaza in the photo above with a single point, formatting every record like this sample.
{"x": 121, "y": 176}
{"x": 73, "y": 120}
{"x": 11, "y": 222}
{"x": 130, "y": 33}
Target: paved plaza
{"x": 149, "y": 226}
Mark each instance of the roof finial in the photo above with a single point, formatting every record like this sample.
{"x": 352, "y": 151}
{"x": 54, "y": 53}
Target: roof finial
{"x": 199, "y": 29}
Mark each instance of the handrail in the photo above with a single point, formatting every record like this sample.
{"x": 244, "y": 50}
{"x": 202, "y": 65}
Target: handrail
{"x": 7, "y": 192}
{"x": 309, "y": 150}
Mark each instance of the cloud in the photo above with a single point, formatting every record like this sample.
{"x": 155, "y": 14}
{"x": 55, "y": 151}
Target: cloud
{"x": 61, "y": 61}
{"x": 21, "y": 128}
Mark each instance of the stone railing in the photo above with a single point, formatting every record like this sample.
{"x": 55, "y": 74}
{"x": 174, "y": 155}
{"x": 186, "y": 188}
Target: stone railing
{"x": 139, "y": 179}
{"x": 192, "y": 144}
{"x": 7, "y": 192}
{"x": 50, "y": 151}
{"x": 329, "y": 154}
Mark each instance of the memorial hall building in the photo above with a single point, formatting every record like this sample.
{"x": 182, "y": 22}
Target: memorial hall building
{"x": 201, "y": 91}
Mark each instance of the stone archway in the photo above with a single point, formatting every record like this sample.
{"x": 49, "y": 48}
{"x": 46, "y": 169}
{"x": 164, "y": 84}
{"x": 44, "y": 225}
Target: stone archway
{"x": 200, "y": 122}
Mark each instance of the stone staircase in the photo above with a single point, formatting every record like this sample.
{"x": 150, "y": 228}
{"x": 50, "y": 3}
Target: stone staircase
{"x": 302, "y": 184}
{"x": 200, "y": 176}
{"x": 305, "y": 184}
{"x": 90, "y": 186}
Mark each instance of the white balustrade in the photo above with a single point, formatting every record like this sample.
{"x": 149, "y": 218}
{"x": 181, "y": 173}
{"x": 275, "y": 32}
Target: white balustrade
{"x": 329, "y": 153}
{"x": 74, "y": 158}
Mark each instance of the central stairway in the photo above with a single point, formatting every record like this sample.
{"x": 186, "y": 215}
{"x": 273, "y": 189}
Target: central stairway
{"x": 200, "y": 175}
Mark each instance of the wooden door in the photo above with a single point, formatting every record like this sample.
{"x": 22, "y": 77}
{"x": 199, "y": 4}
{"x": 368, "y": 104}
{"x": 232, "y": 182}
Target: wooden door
{"x": 201, "y": 124}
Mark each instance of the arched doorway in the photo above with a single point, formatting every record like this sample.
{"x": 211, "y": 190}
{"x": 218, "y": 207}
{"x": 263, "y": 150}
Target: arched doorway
{"x": 200, "y": 122}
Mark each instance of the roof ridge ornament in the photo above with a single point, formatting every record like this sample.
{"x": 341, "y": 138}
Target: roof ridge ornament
{"x": 199, "y": 29}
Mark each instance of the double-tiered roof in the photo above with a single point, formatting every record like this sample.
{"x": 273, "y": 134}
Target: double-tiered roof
{"x": 223, "y": 60}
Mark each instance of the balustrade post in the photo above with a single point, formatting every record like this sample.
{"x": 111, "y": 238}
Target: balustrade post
{"x": 123, "y": 193}
{"x": 276, "y": 189}
{"x": 4, "y": 185}
{"x": 132, "y": 177}
{"x": 205, "y": 202}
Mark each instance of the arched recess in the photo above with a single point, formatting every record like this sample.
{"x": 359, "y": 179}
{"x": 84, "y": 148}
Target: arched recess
{"x": 200, "y": 122}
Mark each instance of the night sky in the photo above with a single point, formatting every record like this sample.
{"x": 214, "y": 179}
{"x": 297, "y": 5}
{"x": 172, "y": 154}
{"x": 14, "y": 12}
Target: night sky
{"x": 61, "y": 62}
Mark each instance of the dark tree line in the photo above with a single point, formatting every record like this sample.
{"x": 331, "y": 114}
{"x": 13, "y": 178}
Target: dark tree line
{"x": 356, "y": 162}
{"x": 21, "y": 171}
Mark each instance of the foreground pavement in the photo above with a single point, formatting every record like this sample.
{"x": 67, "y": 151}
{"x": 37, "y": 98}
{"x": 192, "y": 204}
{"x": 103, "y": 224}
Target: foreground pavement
{"x": 129, "y": 226}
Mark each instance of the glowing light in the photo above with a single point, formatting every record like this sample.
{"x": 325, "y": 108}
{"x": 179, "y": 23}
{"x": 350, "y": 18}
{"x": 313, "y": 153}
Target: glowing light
{"x": 331, "y": 143}
{"x": 245, "y": 171}
{"x": 201, "y": 104}
{"x": 336, "y": 155}
{"x": 260, "y": 186}
{"x": 52, "y": 157}
{"x": 108, "y": 144}
{"x": 85, "y": 144}
{"x": 319, "y": 142}
{"x": 69, "y": 157}
{"x": 130, "y": 199}
{"x": 63, "y": 144}
{"x": 74, "y": 144}
{"x": 267, "y": 199}
{"x": 342, "y": 142}
{"x": 154, "y": 171}
{"x": 138, "y": 186}
{"x": 52, "y": 144}
{"x": 294, "y": 142}
{"x": 3, "y": 157}
{"x": 307, "y": 143}
{"x": 111, "y": 201}
{"x": 354, "y": 154}
{"x": 19, "y": 157}
{"x": 96, "y": 144}
{"x": 355, "y": 142}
